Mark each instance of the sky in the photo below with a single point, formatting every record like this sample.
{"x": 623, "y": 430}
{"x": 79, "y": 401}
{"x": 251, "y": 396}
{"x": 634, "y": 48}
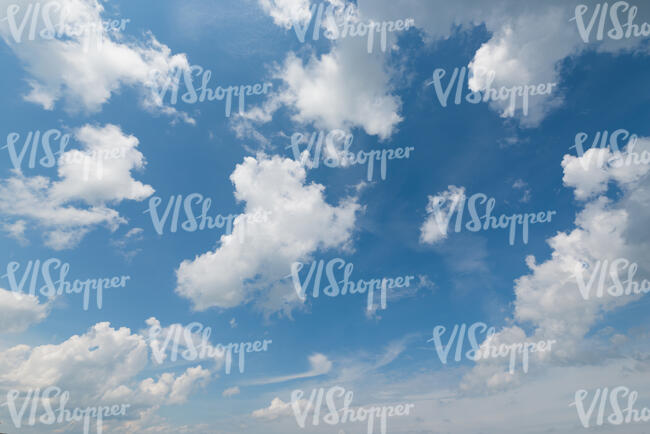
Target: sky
{"x": 109, "y": 155}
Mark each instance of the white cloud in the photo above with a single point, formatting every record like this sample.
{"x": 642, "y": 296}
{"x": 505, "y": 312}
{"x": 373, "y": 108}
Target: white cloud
{"x": 524, "y": 52}
{"x": 231, "y": 391}
{"x": 591, "y": 173}
{"x": 549, "y": 298}
{"x": 258, "y": 255}
{"x": 286, "y": 13}
{"x": 342, "y": 89}
{"x": 50, "y": 204}
{"x": 276, "y": 409}
{"x": 319, "y": 365}
{"x": 185, "y": 383}
{"x": 16, "y": 230}
{"x": 19, "y": 311}
{"x": 89, "y": 364}
{"x": 439, "y": 211}
{"x": 75, "y": 67}
{"x": 100, "y": 367}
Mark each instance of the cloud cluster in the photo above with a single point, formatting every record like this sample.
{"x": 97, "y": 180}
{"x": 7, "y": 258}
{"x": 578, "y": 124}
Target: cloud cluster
{"x": 85, "y": 176}
{"x": 550, "y": 298}
{"x": 85, "y": 67}
{"x": 259, "y": 255}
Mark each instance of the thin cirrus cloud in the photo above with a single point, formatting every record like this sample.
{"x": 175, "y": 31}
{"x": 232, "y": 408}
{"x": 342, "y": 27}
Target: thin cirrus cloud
{"x": 319, "y": 365}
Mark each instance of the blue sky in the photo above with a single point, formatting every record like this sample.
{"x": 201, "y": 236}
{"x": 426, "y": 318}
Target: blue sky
{"x": 243, "y": 163}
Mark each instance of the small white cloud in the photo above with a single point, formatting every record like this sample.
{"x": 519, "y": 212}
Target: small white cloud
{"x": 231, "y": 391}
{"x": 19, "y": 311}
{"x": 439, "y": 211}
{"x": 276, "y": 409}
{"x": 286, "y": 13}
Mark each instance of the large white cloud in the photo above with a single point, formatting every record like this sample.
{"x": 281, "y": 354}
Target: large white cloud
{"x": 75, "y": 67}
{"x": 86, "y": 175}
{"x": 345, "y": 88}
{"x": 550, "y": 299}
{"x": 103, "y": 366}
{"x": 342, "y": 89}
{"x": 259, "y": 255}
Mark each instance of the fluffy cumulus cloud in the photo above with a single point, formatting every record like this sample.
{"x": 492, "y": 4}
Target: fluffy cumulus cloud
{"x": 19, "y": 311}
{"x": 527, "y": 43}
{"x": 258, "y": 254}
{"x": 508, "y": 61}
{"x": 71, "y": 56}
{"x": 167, "y": 389}
{"x": 338, "y": 90}
{"x": 276, "y": 409}
{"x": 563, "y": 298}
{"x": 98, "y": 175}
{"x": 342, "y": 89}
{"x": 99, "y": 367}
{"x": 115, "y": 356}
{"x": 591, "y": 173}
